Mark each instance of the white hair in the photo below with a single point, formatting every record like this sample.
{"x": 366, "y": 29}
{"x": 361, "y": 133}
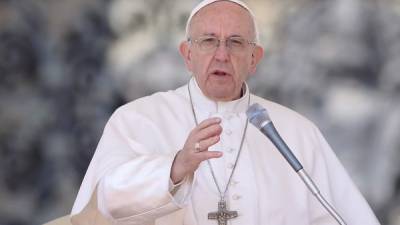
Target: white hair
{"x": 207, "y": 2}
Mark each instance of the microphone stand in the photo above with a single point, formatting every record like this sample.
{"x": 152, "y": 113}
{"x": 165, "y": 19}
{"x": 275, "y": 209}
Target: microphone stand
{"x": 315, "y": 191}
{"x": 258, "y": 117}
{"x": 268, "y": 129}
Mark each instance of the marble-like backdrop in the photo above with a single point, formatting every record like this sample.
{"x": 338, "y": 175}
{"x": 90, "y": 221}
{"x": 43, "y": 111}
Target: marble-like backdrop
{"x": 66, "y": 65}
{"x": 337, "y": 62}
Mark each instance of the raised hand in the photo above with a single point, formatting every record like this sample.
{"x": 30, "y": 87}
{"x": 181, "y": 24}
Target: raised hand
{"x": 195, "y": 150}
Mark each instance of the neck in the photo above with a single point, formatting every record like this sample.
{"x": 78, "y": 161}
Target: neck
{"x": 228, "y": 99}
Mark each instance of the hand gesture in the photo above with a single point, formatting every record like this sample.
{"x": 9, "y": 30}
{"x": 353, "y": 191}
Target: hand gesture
{"x": 195, "y": 150}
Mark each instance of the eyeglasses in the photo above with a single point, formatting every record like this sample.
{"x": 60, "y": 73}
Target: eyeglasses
{"x": 233, "y": 44}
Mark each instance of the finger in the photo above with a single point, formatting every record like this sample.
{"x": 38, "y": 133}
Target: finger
{"x": 209, "y": 155}
{"x": 206, "y": 143}
{"x": 209, "y": 131}
{"x": 208, "y": 122}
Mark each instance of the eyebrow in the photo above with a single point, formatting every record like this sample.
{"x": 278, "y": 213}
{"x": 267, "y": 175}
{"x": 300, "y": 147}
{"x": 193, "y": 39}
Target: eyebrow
{"x": 214, "y": 35}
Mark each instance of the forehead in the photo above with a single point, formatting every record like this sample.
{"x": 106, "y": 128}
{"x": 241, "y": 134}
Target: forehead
{"x": 222, "y": 18}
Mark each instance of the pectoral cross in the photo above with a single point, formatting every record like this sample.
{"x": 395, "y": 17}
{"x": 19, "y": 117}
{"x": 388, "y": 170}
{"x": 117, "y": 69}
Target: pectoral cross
{"x": 222, "y": 215}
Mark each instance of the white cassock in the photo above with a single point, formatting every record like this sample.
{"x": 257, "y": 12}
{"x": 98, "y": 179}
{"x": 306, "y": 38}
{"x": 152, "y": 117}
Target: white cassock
{"x": 128, "y": 179}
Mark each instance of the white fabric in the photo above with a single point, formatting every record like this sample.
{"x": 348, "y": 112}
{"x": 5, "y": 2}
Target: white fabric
{"x": 205, "y": 3}
{"x": 131, "y": 168}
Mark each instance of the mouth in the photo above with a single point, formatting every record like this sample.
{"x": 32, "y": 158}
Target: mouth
{"x": 220, "y": 73}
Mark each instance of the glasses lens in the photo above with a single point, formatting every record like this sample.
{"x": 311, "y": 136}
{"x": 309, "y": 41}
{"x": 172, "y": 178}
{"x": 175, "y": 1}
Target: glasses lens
{"x": 236, "y": 43}
{"x": 208, "y": 43}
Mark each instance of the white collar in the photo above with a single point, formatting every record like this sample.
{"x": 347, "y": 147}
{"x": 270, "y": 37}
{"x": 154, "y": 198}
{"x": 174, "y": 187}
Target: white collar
{"x": 200, "y": 101}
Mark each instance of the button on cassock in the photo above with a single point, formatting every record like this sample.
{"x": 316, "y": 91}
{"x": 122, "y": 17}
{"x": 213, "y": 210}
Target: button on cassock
{"x": 230, "y": 150}
{"x": 228, "y": 116}
{"x": 234, "y": 182}
{"x": 236, "y": 197}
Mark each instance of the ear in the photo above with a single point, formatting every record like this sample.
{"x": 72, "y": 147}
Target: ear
{"x": 258, "y": 54}
{"x": 184, "y": 49}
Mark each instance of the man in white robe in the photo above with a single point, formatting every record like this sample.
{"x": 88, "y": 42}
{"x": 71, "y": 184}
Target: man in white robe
{"x": 150, "y": 167}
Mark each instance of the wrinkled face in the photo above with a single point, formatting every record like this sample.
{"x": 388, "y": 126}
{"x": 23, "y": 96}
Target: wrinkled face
{"x": 221, "y": 73}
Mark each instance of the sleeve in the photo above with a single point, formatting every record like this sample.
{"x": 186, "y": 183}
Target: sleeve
{"x": 338, "y": 189}
{"x": 140, "y": 191}
{"x": 134, "y": 182}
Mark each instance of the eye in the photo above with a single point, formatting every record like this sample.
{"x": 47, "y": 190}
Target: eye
{"x": 208, "y": 40}
{"x": 237, "y": 42}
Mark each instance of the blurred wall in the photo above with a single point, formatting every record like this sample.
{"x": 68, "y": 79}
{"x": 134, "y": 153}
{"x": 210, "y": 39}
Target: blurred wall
{"x": 65, "y": 66}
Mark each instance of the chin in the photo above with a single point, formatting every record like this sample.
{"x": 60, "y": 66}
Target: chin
{"x": 220, "y": 90}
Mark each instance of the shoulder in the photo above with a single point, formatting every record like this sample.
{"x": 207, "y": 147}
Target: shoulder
{"x": 154, "y": 105}
{"x": 300, "y": 134}
{"x": 284, "y": 116}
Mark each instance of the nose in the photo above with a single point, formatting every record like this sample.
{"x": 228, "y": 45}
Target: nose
{"x": 222, "y": 52}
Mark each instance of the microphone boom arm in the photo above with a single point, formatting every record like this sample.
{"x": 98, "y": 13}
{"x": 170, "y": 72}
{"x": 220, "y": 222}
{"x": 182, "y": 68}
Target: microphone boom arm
{"x": 269, "y": 130}
{"x": 315, "y": 191}
{"x": 259, "y": 117}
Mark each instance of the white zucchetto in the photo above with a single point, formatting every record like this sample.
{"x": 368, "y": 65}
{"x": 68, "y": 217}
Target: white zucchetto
{"x": 204, "y": 3}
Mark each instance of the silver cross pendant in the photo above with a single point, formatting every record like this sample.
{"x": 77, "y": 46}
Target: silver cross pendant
{"x": 222, "y": 215}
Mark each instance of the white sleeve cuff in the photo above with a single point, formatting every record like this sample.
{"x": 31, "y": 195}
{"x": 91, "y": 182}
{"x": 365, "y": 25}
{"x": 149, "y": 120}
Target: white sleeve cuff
{"x": 180, "y": 192}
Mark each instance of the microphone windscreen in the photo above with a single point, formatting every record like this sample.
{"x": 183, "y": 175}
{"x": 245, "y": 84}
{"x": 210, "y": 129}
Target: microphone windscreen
{"x": 257, "y": 115}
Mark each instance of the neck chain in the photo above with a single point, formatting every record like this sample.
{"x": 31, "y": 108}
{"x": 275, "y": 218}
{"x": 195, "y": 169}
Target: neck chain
{"x": 222, "y": 215}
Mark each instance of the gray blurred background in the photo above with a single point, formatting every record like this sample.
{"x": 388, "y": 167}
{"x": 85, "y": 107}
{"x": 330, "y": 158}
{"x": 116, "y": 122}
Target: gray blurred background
{"x": 65, "y": 66}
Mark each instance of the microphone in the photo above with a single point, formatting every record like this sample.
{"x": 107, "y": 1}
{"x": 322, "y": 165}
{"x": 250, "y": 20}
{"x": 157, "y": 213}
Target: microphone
{"x": 258, "y": 116}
